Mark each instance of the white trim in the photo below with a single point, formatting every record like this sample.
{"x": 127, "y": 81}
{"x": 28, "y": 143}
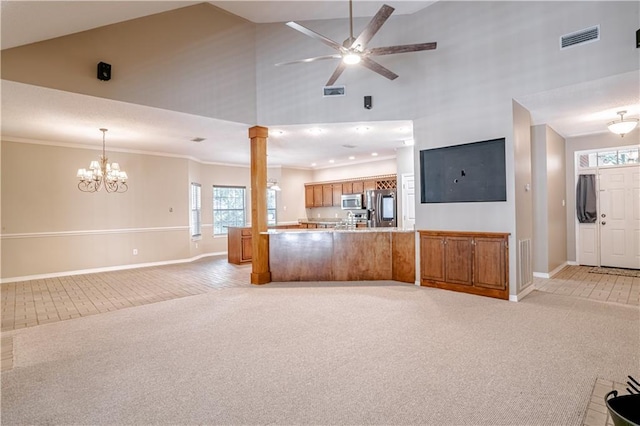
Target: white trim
{"x": 518, "y": 297}
{"x": 106, "y": 269}
{"x": 572, "y": 263}
{"x": 91, "y": 232}
{"x": 417, "y": 283}
{"x": 550, "y": 274}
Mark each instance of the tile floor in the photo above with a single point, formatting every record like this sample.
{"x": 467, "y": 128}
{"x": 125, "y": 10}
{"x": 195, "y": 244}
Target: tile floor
{"x": 578, "y": 281}
{"x": 597, "y": 413}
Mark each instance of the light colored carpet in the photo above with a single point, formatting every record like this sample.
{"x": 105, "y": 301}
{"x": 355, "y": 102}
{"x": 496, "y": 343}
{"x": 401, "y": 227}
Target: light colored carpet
{"x": 615, "y": 271}
{"x": 305, "y": 354}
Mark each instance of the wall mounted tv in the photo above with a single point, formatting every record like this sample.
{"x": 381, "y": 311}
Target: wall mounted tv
{"x": 472, "y": 172}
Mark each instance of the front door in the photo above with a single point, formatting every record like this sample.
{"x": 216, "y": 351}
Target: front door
{"x": 619, "y": 217}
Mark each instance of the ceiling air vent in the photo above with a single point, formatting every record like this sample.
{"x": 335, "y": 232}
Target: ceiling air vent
{"x": 587, "y": 35}
{"x": 197, "y": 139}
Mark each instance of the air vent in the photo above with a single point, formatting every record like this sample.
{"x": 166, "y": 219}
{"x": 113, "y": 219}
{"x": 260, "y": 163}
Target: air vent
{"x": 330, "y": 91}
{"x": 197, "y": 139}
{"x": 349, "y": 146}
{"x": 587, "y": 35}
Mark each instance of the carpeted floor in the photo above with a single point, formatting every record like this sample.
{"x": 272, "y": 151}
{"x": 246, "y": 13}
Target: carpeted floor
{"x": 313, "y": 354}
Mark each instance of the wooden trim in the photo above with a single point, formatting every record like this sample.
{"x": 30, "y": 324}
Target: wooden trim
{"x": 259, "y": 246}
{"x": 378, "y": 177}
{"x": 465, "y": 234}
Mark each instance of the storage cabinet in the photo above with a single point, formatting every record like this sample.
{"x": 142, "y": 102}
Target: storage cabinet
{"x": 358, "y": 187}
{"x": 239, "y": 245}
{"x": 317, "y": 195}
{"x": 308, "y": 196}
{"x": 470, "y": 262}
{"x": 327, "y": 195}
{"x": 337, "y": 194}
{"x": 347, "y": 187}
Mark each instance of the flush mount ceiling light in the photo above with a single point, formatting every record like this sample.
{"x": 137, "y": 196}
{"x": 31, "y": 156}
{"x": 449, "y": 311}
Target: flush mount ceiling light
{"x": 102, "y": 173}
{"x": 623, "y": 126}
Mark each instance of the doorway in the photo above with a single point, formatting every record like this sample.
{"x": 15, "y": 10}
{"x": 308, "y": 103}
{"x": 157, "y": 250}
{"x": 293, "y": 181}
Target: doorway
{"x": 408, "y": 201}
{"x": 619, "y": 216}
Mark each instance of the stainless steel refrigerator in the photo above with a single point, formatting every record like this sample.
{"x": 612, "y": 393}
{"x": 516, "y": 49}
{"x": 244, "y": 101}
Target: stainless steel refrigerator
{"x": 381, "y": 208}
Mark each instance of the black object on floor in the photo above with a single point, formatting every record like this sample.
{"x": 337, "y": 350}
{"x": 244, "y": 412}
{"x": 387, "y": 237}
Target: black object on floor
{"x": 625, "y": 409}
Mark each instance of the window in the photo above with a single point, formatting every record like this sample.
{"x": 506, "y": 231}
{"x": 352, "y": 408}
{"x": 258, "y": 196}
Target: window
{"x": 615, "y": 157}
{"x": 271, "y": 207}
{"x": 196, "y": 209}
{"x": 228, "y": 208}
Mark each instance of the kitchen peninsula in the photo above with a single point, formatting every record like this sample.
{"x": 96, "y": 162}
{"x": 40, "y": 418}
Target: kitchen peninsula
{"x": 342, "y": 254}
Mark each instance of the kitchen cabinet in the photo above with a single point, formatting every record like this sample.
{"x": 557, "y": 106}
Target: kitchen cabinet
{"x": 337, "y": 194}
{"x": 317, "y": 195}
{"x": 369, "y": 185}
{"x": 239, "y": 245}
{"x": 308, "y": 196}
{"x": 327, "y": 195}
{"x": 347, "y": 187}
{"x": 358, "y": 187}
{"x": 470, "y": 262}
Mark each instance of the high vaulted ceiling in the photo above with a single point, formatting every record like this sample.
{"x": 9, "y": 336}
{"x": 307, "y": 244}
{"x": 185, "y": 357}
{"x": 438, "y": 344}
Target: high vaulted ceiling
{"x": 27, "y": 110}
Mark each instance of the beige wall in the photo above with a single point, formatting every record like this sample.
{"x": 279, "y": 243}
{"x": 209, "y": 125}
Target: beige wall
{"x": 550, "y": 225}
{"x": 373, "y": 168}
{"x": 197, "y": 59}
{"x": 49, "y": 226}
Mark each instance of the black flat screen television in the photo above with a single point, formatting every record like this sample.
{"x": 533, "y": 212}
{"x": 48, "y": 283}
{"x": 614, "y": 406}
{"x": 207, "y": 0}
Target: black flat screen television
{"x": 472, "y": 172}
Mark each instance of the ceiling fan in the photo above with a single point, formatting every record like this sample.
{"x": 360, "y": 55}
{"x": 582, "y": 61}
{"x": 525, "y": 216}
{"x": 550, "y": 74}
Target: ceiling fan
{"x": 355, "y": 51}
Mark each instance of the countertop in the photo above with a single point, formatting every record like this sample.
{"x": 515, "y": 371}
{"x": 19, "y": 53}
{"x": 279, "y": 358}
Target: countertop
{"x": 308, "y": 231}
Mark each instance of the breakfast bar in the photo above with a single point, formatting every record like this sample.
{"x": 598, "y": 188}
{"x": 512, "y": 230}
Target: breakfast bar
{"x": 342, "y": 254}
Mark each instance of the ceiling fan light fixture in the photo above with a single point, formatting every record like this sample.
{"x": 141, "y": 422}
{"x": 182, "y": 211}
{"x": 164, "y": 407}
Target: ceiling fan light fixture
{"x": 351, "y": 58}
{"x": 623, "y": 126}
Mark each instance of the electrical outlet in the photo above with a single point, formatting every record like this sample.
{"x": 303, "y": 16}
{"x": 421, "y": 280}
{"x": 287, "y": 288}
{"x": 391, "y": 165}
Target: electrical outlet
{"x": 135, "y": 252}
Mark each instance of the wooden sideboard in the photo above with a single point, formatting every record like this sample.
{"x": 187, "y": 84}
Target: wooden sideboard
{"x": 470, "y": 262}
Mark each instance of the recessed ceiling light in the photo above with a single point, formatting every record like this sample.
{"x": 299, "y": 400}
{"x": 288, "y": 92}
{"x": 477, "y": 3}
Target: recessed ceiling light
{"x": 313, "y": 164}
{"x": 332, "y": 161}
{"x": 351, "y": 157}
{"x": 374, "y": 154}
{"x": 315, "y": 130}
{"x": 276, "y": 133}
{"x": 409, "y": 142}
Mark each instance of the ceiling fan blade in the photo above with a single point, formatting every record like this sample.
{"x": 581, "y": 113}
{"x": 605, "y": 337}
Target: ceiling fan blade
{"x": 390, "y": 50}
{"x": 372, "y": 28}
{"x": 341, "y": 66}
{"x": 376, "y": 67}
{"x": 317, "y": 58}
{"x": 313, "y": 34}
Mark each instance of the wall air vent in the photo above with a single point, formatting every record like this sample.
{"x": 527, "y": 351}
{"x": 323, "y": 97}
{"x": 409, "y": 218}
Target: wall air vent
{"x": 587, "y": 35}
{"x": 197, "y": 139}
{"x": 329, "y": 91}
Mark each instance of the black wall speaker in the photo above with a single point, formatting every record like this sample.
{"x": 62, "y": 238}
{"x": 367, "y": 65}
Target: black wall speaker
{"x": 104, "y": 71}
{"x": 638, "y": 38}
{"x": 368, "y": 102}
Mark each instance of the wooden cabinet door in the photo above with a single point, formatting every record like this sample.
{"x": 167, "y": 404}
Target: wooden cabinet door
{"x": 246, "y": 249}
{"x": 337, "y": 194}
{"x": 490, "y": 263}
{"x": 369, "y": 185}
{"x": 357, "y": 187}
{"x": 327, "y": 195}
{"x": 347, "y": 187}
{"x": 308, "y": 196}
{"x": 432, "y": 258}
{"x": 458, "y": 258}
{"x": 317, "y": 195}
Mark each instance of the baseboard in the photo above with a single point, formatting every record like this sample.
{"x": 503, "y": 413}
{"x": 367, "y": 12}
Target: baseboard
{"x": 572, "y": 263}
{"x": 417, "y": 283}
{"x": 518, "y": 297}
{"x": 107, "y": 269}
{"x": 552, "y": 273}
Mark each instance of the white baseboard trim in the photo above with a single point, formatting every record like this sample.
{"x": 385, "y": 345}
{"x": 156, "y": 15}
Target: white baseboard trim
{"x": 107, "y": 269}
{"x": 518, "y": 297}
{"x": 417, "y": 283}
{"x": 552, "y": 273}
{"x": 572, "y": 263}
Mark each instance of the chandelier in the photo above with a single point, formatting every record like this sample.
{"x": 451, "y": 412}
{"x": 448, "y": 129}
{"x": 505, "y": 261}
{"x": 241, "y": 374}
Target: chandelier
{"x": 623, "y": 126}
{"x": 102, "y": 173}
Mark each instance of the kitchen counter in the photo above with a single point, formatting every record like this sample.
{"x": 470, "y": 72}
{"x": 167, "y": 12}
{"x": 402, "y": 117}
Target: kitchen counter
{"x": 342, "y": 254}
{"x": 324, "y": 230}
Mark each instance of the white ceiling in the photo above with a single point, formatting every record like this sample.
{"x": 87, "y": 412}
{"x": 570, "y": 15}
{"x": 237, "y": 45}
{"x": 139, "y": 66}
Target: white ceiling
{"x": 40, "y": 114}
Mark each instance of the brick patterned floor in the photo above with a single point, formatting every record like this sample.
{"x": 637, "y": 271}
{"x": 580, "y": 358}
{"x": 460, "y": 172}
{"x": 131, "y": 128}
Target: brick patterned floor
{"x": 30, "y": 303}
{"x": 578, "y": 281}
{"x": 597, "y": 413}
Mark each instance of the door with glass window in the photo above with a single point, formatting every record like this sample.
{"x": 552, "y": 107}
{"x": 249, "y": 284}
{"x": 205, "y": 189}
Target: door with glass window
{"x": 619, "y": 216}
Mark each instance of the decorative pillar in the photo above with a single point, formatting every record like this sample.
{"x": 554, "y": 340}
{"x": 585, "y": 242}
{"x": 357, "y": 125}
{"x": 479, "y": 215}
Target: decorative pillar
{"x": 260, "y": 273}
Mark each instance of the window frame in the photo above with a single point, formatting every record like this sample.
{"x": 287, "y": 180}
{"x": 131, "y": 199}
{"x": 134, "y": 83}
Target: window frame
{"x": 224, "y": 226}
{"x": 273, "y": 209}
{"x": 195, "y": 206}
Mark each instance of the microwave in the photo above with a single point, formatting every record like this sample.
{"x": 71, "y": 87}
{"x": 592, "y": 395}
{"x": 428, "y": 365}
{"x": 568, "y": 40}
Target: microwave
{"x": 351, "y": 201}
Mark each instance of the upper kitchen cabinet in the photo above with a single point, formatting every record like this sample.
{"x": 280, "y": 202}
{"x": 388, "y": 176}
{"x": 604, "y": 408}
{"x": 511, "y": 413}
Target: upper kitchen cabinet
{"x": 327, "y": 194}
